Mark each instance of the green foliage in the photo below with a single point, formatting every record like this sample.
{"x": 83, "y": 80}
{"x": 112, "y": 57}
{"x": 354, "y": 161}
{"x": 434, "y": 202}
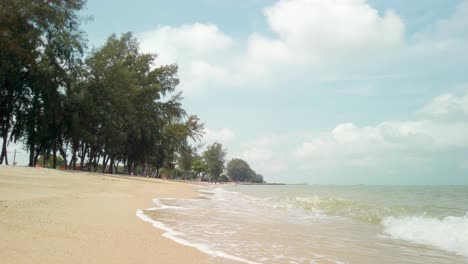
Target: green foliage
{"x": 49, "y": 162}
{"x": 214, "y": 157}
{"x": 257, "y": 178}
{"x": 223, "y": 178}
{"x": 106, "y": 109}
{"x": 239, "y": 170}
{"x": 199, "y": 167}
{"x": 123, "y": 89}
{"x": 112, "y": 110}
{"x": 40, "y": 46}
{"x": 185, "y": 160}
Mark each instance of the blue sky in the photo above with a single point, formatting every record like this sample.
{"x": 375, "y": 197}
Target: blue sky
{"x": 336, "y": 91}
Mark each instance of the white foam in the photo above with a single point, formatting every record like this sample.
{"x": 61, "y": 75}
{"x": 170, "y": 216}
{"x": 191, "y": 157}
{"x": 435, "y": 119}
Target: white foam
{"x": 450, "y": 233}
{"x": 175, "y": 236}
{"x": 161, "y": 206}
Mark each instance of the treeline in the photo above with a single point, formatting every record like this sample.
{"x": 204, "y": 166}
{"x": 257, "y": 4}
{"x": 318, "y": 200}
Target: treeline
{"x": 112, "y": 106}
{"x": 110, "y": 110}
{"x": 211, "y": 166}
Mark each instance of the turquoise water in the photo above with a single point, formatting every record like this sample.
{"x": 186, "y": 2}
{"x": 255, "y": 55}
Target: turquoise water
{"x": 321, "y": 224}
{"x": 367, "y": 203}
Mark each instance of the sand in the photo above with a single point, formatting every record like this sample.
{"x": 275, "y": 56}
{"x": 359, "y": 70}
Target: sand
{"x": 51, "y": 216}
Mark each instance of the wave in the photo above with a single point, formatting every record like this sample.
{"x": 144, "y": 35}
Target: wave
{"x": 449, "y": 233}
{"x": 347, "y": 208}
{"x": 318, "y": 206}
{"x": 420, "y": 225}
{"x": 177, "y": 236}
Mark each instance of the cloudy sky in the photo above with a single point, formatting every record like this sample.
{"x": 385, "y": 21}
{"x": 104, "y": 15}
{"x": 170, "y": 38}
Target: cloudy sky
{"x": 335, "y": 91}
{"x": 317, "y": 91}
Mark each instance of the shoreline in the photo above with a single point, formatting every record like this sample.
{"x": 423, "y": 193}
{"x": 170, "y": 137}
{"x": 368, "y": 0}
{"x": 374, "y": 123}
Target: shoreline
{"x": 173, "y": 235}
{"x": 52, "y": 216}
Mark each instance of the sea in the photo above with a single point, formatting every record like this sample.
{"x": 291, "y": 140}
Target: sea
{"x": 319, "y": 223}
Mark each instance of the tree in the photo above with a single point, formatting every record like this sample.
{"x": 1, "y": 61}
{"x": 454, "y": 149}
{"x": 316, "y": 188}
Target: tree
{"x": 257, "y": 178}
{"x": 214, "y": 157}
{"x": 47, "y": 163}
{"x": 185, "y": 160}
{"x": 223, "y": 178}
{"x": 116, "y": 106}
{"x": 199, "y": 167}
{"x": 125, "y": 118}
{"x": 240, "y": 171}
{"x": 40, "y": 43}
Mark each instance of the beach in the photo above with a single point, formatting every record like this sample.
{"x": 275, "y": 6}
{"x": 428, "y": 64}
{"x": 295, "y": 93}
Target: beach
{"x": 321, "y": 224}
{"x": 52, "y": 216}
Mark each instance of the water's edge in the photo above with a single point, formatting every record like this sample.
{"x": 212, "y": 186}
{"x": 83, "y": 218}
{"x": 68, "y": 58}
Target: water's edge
{"x": 172, "y": 234}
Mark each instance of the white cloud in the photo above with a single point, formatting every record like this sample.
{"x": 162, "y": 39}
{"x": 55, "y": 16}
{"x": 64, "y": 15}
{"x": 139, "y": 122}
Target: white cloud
{"x": 196, "y": 48}
{"x": 263, "y": 160}
{"x": 193, "y": 40}
{"x": 257, "y": 154}
{"x": 316, "y": 30}
{"x": 307, "y": 38}
{"x": 220, "y": 136}
{"x": 448, "y": 105}
{"x": 266, "y": 155}
{"x": 389, "y": 146}
{"x": 348, "y": 142}
{"x": 306, "y": 31}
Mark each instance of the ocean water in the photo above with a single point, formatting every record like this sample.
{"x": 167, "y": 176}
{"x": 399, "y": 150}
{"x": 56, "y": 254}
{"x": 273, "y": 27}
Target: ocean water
{"x": 320, "y": 224}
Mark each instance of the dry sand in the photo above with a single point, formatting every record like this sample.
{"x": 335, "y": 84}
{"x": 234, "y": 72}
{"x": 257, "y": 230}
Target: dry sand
{"x": 50, "y": 216}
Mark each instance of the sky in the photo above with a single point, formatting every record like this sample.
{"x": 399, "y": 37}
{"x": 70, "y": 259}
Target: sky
{"x": 314, "y": 91}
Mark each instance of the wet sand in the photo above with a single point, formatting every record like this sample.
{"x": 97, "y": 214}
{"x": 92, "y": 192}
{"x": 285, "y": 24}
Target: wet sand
{"x": 51, "y": 216}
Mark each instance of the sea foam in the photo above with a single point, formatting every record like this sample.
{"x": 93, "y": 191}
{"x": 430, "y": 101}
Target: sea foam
{"x": 449, "y": 233}
{"x": 176, "y": 236}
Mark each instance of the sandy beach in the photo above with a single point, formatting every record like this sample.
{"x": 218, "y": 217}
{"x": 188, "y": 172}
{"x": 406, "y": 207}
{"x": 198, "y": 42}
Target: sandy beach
{"x": 51, "y": 216}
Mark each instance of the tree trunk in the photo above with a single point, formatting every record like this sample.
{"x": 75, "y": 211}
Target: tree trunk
{"x": 63, "y": 153}
{"x": 104, "y": 163}
{"x": 116, "y": 166}
{"x": 129, "y": 167}
{"x": 4, "y": 155}
{"x": 32, "y": 119}
{"x": 111, "y": 165}
{"x": 54, "y": 155}
{"x": 97, "y": 158}
{"x": 90, "y": 158}
{"x": 36, "y": 155}
{"x": 31, "y": 156}
{"x": 8, "y": 107}
{"x": 84, "y": 149}
{"x": 73, "y": 160}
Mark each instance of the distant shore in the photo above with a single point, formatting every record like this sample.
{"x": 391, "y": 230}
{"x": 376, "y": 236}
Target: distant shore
{"x": 51, "y": 216}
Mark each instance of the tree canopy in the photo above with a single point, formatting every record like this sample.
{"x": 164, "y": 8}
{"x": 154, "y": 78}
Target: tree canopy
{"x": 40, "y": 47}
{"x": 215, "y": 160}
{"x": 239, "y": 170}
{"x": 110, "y": 109}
